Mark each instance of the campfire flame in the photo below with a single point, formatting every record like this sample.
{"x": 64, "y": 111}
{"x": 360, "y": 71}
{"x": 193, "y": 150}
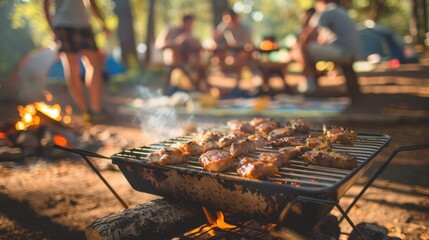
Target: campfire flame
{"x": 219, "y": 222}
{"x": 31, "y": 115}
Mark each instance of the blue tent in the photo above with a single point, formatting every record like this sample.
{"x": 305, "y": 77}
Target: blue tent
{"x": 111, "y": 68}
{"x": 386, "y": 43}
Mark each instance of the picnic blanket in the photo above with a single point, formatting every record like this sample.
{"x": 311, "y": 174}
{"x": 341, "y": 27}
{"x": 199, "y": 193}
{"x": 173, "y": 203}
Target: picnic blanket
{"x": 283, "y": 106}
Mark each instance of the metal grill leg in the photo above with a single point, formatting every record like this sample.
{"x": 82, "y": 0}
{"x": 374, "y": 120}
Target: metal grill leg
{"x": 84, "y": 154}
{"x": 380, "y": 171}
{"x": 289, "y": 206}
{"x": 346, "y": 216}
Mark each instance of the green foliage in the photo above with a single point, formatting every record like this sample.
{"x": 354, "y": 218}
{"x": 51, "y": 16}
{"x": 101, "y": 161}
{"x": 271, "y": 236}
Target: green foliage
{"x": 31, "y": 13}
{"x": 390, "y": 13}
{"x": 280, "y": 17}
{"x": 14, "y": 43}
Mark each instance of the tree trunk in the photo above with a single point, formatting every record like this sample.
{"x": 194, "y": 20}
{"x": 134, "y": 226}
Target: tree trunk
{"x": 425, "y": 18}
{"x": 126, "y": 31}
{"x": 150, "y": 36}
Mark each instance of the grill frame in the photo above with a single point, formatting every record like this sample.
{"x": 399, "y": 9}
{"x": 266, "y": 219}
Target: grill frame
{"x": 262, "y": 199}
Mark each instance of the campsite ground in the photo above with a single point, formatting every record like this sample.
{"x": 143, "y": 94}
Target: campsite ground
{"x": 56, "y": 198}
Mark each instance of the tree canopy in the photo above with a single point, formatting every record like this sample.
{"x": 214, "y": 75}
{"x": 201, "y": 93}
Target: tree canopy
{"x": 268, "y": 17}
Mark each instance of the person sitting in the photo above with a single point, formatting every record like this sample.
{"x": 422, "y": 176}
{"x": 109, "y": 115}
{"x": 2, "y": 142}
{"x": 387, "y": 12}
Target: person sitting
{"x": 232, "y": 35}
{"x": 181, "y": 49}
{"x": 233, "y": 47}
{"x": 337, "y": 41}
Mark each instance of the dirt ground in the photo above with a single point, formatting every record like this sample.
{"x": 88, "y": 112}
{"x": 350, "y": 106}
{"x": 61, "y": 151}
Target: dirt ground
{"x": 56, "y": 198}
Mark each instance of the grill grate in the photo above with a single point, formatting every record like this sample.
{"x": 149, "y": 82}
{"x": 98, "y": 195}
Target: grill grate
{"x": 299, "y": 173}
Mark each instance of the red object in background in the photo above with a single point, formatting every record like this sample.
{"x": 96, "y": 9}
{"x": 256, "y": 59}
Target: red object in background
{"x": 394, "y": 63}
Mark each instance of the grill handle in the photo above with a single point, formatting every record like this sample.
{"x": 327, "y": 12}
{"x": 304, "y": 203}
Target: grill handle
{"x": 381, "y": 170}
{"x": 85, "y": 154}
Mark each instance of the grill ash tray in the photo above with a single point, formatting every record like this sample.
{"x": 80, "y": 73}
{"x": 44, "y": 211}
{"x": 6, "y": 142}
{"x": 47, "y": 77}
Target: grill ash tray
{"x": 265, "y": 199}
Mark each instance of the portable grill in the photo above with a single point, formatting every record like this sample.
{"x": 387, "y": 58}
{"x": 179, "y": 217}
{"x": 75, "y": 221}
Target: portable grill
{"x": 298, "y": 198}
{"x": 274, "y": 199}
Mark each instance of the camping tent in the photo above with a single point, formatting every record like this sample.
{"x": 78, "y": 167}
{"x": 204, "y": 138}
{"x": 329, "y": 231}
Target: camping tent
{"x": 376, "y": 39}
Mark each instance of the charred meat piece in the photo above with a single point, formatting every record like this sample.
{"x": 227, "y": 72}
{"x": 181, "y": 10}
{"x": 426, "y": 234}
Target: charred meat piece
{"x": 339, "y": 135}
{"x": 242, "y": 126}
{"x": 279, "y": 159}
{"x": 230, "y": 138}
{"x": 166, "y": 156}
{"x": 206, "y": 136}
{"x": 330, "y": 159}
{"x": 257, "y": 121}
{"x": 266, "y": 127}
{"x": 191, "y": 148}
{"x": 300, "y": 125}
{"x": 320, "y": 142}
{"x": 259, "y": 140}
{"x": 242, "y": 147}
{"x": 252, "y": 168}
{"x": 286, "y": 142}
{"x": 295, "y": 152}
{"x": 217, "y": 160}
{"x": 208, "y": 140}
{"x": 281, "y": 133}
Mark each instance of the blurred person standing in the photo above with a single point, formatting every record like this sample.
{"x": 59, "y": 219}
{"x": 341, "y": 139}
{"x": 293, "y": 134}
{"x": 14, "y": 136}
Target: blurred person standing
{"x": 74, "y": 36}
{"x": 337, "y": 41}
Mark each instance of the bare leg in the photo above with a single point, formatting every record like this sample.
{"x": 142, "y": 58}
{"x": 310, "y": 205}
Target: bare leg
{"x": 71, "y": 67}
{"x": 93, "y": 77}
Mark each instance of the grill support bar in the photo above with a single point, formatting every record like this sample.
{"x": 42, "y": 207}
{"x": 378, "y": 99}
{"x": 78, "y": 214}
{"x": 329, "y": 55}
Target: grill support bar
{"x": 378, "y": 173}
{"x": 85, "y": 154}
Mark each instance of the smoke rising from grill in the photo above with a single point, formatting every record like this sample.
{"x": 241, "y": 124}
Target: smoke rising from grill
{"x": 159, "y": 116}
